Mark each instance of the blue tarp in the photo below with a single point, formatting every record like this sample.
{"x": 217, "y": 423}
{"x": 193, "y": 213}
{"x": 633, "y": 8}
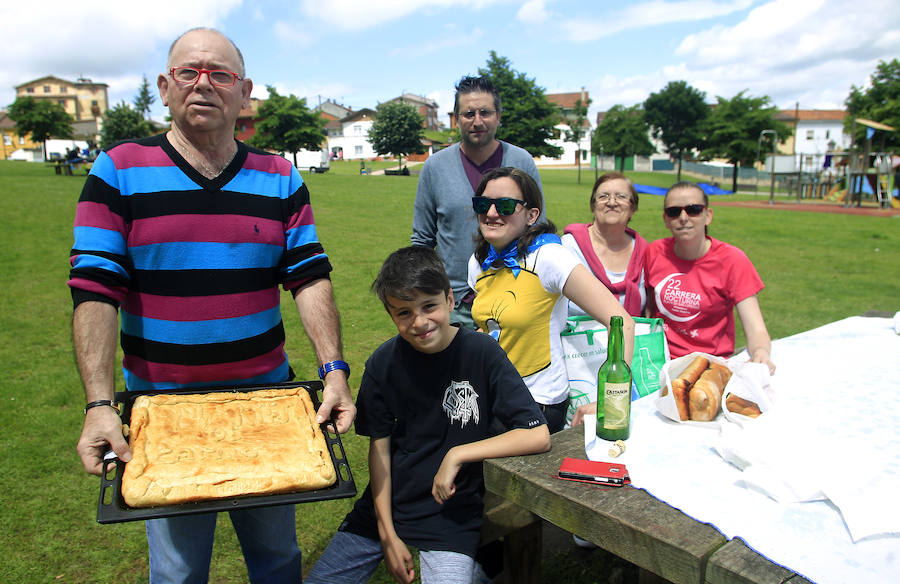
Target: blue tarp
{"x": 707, "y": 188}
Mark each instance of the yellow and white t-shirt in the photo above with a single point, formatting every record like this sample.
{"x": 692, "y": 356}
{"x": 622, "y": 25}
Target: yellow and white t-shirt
{"x": 526, "y": 314}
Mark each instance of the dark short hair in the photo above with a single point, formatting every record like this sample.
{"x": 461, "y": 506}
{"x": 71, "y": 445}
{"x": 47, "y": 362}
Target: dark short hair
{"x": 411, "y": 270}
{"x": 614, "y": 175}
{"x": 470, "y": 84}
{"x": 534, "y": 199}
{"x": 686, "y": 184}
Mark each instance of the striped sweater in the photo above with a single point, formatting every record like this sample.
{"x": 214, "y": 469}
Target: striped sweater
{"x": 194, "y": 264}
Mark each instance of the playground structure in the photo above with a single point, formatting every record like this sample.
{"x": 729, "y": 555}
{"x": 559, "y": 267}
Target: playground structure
{"x": 871, "y": 172}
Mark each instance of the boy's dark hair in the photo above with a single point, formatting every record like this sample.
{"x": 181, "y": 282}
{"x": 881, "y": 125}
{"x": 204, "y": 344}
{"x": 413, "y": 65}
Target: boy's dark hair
{"x": 409, "y": 270}
{"x": 470, "y": 84}
{"x": 534, "y": 199}
{"x": 686, "y": 184}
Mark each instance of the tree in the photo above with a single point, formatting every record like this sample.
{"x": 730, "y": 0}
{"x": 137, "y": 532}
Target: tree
{"x": 733, "y": 130}
{"x": 42, "y": 119}
{"x": 144, "y": 99}
{"x": 287, "y": 125}
{"x": 622, "y": 132}
{"x": 123, "y": 123}
{"x": 879, "y": 102}
{"x": 579, "y": 127}
{"x": 528, "y": 118}
{"x": 397, "y": 130}
{"x": 676, "y": 116}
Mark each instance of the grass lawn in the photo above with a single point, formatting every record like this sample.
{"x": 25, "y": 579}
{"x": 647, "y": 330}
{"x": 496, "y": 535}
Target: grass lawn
{"x": 817, "y": 268}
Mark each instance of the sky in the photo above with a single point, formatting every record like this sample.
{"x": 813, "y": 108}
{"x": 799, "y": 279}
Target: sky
{"x": 805, "y": 53}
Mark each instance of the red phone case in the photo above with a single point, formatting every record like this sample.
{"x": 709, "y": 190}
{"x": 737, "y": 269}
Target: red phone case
{"x": 594, "y": 471}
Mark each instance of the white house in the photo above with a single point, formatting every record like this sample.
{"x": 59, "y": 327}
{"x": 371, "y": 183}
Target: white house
{"x": 350, "y": 135}
{"x": 817, "y": 133}
{"x": 566, "y": 103}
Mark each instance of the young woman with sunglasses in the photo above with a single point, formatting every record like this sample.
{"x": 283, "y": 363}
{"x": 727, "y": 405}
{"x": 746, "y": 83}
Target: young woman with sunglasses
{"x": 522, "y": 277}
{"x": 607, "y": 246}
{"x": 698, "y": 281}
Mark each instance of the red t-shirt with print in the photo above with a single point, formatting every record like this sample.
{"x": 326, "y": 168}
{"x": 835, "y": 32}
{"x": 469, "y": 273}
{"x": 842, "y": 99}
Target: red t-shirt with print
{"x": 696, "y": 298}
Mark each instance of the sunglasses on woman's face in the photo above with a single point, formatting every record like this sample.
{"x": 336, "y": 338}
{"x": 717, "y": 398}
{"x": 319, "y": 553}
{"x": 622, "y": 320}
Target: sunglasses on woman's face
{"x": 504, "y": 205}
{"x": 691, "y": 210}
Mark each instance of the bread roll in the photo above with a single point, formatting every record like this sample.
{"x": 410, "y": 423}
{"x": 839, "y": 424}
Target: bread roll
{"x": 693, "y": 371}
{"x": 723, "y": 370}
{"x": 680, "y": 392}
{"x": 706, "y": 396}
{"x": 739, "y": 405}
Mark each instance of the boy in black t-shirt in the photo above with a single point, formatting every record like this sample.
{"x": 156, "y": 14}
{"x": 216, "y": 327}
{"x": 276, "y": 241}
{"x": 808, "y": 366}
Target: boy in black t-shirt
{"x": 426, "y": 401}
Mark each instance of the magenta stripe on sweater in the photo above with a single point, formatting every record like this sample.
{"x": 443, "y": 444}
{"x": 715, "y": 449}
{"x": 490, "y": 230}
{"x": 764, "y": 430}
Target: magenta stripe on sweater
{"x": 192, "y": 308}
{"x": 213, "y": 228}
{"x": 129, "y": 155}
{"x": 268, "y": 163}
{"x": 186, "y": 374}
{"x": 116, "y": 293}
{"x": 89, "y": 214}
{"x": 304, "y": 217}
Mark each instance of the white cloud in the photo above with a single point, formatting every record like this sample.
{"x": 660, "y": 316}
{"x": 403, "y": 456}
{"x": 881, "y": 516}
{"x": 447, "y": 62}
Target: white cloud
{"x": 797, "y": 52}
{"x": 452, "y": 38}
{"x": 533, "y": 12}
{"x": 107, "y": 40}
{"x": 647, "y": 14}
{"x": 364, "y": 14}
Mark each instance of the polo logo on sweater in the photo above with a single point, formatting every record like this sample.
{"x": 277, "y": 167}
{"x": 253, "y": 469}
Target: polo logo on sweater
{"x": 674, "y": 302}
{"x": 461, "y": 403}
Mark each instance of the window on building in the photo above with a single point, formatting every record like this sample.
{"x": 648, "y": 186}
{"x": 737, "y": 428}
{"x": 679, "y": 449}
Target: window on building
{"x": 7, "y": 139}
{"x": 827, "y": 134}
{"x": 46, "y": 89}
{"x": 21, "y": 140}
{"x": 357, "y": 150}
{"x": 29, "y": 90}
{"x": 64, "y": 90}
{"x": 93, "y": 102}
{"x": 810, "y": 134}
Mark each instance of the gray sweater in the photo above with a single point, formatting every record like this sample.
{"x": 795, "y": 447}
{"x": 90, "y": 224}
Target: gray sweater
{"x": 443, "y": 218}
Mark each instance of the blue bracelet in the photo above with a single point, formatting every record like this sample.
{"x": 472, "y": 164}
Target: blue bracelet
{"x": 331, "y": 366}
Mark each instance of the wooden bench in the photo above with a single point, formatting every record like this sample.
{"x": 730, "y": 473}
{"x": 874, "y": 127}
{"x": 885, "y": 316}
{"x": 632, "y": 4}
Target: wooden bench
{"x": 63, "y": 167}
{"x": 520, "y": 532}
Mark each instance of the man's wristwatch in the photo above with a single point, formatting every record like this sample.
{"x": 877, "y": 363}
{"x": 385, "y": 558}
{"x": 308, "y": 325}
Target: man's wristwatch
{"x": 331, "y": 366}
{"x": 101, "y": 402}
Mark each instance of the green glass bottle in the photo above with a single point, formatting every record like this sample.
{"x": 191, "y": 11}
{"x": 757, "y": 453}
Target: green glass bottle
{"x": 614, "y": 388}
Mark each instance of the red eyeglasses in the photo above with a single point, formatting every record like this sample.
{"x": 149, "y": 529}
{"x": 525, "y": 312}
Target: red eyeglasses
{"x": 191, "y": 75}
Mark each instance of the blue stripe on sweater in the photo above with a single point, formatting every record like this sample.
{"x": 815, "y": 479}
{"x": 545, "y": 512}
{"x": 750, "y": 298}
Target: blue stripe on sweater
{"x": 300, "y": 236}
{"x": 256, "y": 182}
{"x": 295, "y": 267}
{"x": 200, "y": 332}
{"x": 97, "y": 238}
{"x": 204, "y": 255}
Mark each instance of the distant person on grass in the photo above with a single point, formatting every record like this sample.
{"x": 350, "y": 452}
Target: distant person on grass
{"x": 427, "y": 400}
{"x": 442, "y": 217}
{"x": 190, "y": 233}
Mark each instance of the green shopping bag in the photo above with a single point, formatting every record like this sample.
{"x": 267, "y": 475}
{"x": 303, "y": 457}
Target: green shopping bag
{"x": 584, "y": 351}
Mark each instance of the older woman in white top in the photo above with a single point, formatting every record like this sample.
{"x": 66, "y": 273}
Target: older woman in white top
{"x": 608, "y": 247}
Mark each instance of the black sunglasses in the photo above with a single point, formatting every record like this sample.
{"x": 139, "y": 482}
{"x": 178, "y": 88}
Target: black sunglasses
{"x": 691, "y": 210}
{"x": 504, "y": 205}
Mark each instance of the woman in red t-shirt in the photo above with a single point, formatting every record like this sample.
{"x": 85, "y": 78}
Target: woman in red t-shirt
{"x": 697, "y": 281}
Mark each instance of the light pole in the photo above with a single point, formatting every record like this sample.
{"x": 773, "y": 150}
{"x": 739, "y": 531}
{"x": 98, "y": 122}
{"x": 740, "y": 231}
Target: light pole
{"x": 772, "y": 171}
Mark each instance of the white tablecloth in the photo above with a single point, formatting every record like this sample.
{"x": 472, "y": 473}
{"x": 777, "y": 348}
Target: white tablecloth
{"x": 814, "y": 484}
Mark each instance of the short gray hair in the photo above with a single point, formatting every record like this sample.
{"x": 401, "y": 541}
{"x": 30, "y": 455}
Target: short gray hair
{"x": 240, "y": 55}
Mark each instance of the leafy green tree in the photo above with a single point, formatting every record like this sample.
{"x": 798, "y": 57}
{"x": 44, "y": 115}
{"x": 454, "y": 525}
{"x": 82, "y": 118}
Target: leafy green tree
{"x": 623, "y": 132}
{"x": 123, "y": 123}
{"x": 880, "y": 102}
{"x": 527, "y": 117}
{"x": 397, "y": 130}
{"x": 676, "y": 114}
{"x": 578, "y": 129}
{"x": 144, "y": 99}
{"x": 733, "y": 130}
{"x": 40, "y": 118}
{"x": 286, "y": 124}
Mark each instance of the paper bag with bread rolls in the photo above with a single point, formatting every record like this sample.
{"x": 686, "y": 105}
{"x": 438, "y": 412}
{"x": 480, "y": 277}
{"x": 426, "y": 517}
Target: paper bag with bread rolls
{"x": 699, "y": 387}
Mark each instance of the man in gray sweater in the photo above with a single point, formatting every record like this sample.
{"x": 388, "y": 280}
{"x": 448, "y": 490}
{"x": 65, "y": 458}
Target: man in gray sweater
{"x": 443, "y": 218}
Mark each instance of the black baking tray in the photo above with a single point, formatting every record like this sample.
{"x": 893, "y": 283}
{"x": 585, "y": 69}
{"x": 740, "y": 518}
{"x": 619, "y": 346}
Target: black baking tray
{"x": 111, "y": 507}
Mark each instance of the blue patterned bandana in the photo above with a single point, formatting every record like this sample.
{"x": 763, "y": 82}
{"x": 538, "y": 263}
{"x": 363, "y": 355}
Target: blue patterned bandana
{"x": 510, "y": 254}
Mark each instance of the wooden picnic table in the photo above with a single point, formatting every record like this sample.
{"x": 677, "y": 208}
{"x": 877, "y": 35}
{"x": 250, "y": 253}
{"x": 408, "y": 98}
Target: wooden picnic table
{"x": 626, "y": 521}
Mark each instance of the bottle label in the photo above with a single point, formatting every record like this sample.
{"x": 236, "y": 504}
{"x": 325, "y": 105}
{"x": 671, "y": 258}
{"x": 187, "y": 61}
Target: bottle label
{"x": 616, "y": 405}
